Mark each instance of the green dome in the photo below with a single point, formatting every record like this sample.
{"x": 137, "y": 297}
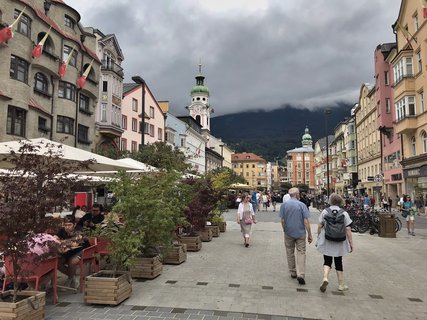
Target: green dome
{"x": 306, "y": 138}
{"x": 200, "y": 89}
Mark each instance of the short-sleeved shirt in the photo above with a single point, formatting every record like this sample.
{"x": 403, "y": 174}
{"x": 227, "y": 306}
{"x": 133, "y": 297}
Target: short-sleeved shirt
{"x": 293, "y": 212}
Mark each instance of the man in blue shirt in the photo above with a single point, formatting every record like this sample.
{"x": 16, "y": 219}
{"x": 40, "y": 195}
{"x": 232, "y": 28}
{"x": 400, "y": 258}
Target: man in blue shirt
{"x": 294, "y": 216}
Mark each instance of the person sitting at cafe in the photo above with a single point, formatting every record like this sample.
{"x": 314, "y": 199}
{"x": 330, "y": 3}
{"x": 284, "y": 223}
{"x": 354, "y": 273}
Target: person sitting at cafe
{"x": 72, "y": 245}
{"x": 90, "y": 220}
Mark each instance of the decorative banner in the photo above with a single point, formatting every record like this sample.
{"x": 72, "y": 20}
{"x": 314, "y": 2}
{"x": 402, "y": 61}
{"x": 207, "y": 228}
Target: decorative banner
{"x": 82, "y": 80}
{"x": 37, "y": 51}
{"x": 424, "y": 8}
{"x": 7, "y": 32}
{"x": 63, "y": 68}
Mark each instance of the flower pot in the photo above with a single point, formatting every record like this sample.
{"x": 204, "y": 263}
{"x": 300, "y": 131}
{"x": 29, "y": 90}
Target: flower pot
{"x": 102, "y": 288}
{"x": 175, "y": 255}
{"x": 205, "y": 235}
{"x": 146, "y": 268}
{"x": 30, "y": 305}
{"x": 215, "y": 230}
{"x": 193, "y": 243}
{"x": 222, "y": 226}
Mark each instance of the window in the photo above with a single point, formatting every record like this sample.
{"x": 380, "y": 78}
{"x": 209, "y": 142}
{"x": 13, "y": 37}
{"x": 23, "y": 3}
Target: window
{"x": 134, "y": 125}
{"x": 66, "y": 52}
{"x": 16, "y": 121}
{"x": 123, "y": 145}
{"x": 84, "y": 103}
{"x": 103, "y": 112}
{"x": 386, "y": 78}
{"x": 18, "y": 69}
{"x": 151, "y": 130}
{"x": 83, "y": 134}
{"x": 104, "y": 86}
{"x": 41, "y": 83}
{"x": 159, "y": 134}
{"x": 183, "y": 142}
{"x": 146, "y": 128}
{"x": 170, "y": 137}
{"x": 405, "y": 107}
{"x": 64, "y": 125}
{"x": 42, "y": 124}
{"x": 24, "y": 24}
{"x": 134, "y": 105}
{"x": 402, "y": 69}
{"x": 416, "y": 24}
{"x": 134, "y": 146}
{"x": 66, "y": 91}
{"x": 124, "y": 122}
{"x": 422, "y": 102}
{"x": 419, "y": 61}
{"x": 413, "y": 146}
{"x": 424, "y": 141}
{"x": 387, "y": 105}
{"x": 151, "y": 112}
{"x": 69, "y": 22}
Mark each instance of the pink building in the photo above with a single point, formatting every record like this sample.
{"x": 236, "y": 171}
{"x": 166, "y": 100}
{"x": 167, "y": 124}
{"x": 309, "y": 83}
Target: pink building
{"x": 132, "y": 113}
{"x": 391, "y": 146}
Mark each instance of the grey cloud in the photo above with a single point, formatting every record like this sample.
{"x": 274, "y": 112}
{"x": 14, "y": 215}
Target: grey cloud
{"x": 306, "y": 53}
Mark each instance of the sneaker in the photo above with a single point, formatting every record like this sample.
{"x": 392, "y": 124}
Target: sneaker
{"x": 409, "y": 232}
{"x": 301, "y": 280}
{"x": 413, "y": 233}
{"x": 324, "y": 285}
{"x": 293, "y": 275}
{"x": 342, "y": 287}
{"x": 246, "y": 245}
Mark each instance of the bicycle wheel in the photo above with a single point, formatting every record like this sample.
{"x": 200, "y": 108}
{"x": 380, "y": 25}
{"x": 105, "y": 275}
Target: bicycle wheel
{"x": 397, "y": 224}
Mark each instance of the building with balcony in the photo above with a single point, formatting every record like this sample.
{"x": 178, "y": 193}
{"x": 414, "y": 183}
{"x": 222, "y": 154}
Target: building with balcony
{"x": 300, "y": 162}
{"x": 339, "y": 159}
{"x": 368, "y": 143}
{"x": 350, "y": 142}
{"x": 391, "y": 143}
{"x": 35, "y": 100}
{"x": 409, "y": 71}
{"x": 136, "y": 98}
{"x": 251, "y": 167}
{"x": 109, "y": 109}
{"x": 320, "y": 168}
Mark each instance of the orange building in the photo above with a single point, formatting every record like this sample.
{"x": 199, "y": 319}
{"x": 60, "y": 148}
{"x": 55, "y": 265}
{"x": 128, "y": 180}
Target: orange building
{"x": 251, "y": 167}
{"x": 300, "y": 163}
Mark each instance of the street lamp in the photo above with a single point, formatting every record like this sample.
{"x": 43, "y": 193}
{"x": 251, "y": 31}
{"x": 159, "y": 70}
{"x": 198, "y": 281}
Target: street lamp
{"x": 327, "y": 112}
{"x": 139, "y": 80}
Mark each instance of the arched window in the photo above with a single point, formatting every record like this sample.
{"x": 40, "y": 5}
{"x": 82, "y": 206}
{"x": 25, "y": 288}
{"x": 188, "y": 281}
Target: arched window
{"x": 41, "y": 83}
{"x": 198, "y": 119}
{"x": 48, "y": 45}
{"x": 424, "y": 140}
{"x": 413, "y": 147}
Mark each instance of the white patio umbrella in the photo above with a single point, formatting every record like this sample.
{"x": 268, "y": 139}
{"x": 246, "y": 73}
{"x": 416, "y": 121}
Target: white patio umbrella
{"x": 69, "y": 153}
{"x": 137, "y": 164}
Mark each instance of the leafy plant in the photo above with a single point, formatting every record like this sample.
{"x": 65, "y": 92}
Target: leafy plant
{"x": 40, "y": 180}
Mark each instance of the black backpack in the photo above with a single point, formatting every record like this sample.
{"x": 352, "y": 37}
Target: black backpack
{"x": 335, "y": 225}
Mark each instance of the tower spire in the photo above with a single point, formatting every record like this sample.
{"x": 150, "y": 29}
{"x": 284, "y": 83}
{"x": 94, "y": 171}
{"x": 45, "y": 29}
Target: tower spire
{"x": 200, "y": 65}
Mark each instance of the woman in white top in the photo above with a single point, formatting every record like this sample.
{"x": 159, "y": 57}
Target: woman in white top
{"x": 245, "y": 217}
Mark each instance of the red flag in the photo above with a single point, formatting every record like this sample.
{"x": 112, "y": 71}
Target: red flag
{"x": 63, "y": 68}
{"x": 37, "y": 51}
{"x": 7, "y": 32}
{"x": 424, "y": 8}
{"x": 82, "y": 80}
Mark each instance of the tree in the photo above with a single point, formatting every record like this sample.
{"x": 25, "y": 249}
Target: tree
{"x": 302, "y": 187}
{"x": 162, "y": 156}
{"x": 37, "y": 184}
{"x": 285, "y": 186}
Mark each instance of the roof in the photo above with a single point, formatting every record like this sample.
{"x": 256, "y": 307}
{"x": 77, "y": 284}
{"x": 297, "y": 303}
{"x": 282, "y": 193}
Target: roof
{"x": 322, "y": 141}
{"x": 301, "y": 149}
{"x": 34, "y": 104}
{"x": 246, "y": 156}
{"x": 2, "y": 94}
{"x": 127, "y": 87}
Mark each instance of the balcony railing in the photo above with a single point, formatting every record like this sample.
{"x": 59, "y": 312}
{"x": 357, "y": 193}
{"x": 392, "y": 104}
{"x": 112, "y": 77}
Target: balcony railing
{"x": 112, "y": 66}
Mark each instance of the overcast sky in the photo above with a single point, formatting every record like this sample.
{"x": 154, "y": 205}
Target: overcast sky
{"x": 256, "y": 54}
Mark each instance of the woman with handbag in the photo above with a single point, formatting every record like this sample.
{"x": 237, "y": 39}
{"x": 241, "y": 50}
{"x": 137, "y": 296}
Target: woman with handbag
{"x": 408, "y": 212}
{"x": 245, "y": 217}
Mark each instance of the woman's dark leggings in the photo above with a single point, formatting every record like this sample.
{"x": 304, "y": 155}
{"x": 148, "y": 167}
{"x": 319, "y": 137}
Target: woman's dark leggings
{"x": 337, "y": 260}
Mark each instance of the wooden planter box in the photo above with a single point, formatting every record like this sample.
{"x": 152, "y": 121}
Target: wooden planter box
{"x": 222, "y": 226}
{"x": 23, "y": 310}
{"x": 101, "y": 288}
{"x": 215, "y": 230}
{"x": 193, "y": 242}
{"x": 206, "y": 235}
{"x": 146, "y": 268}
{"x": 176, "y": 254}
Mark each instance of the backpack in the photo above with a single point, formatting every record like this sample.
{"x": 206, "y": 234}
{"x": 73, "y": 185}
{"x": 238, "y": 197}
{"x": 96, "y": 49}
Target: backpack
{"x": 334, "y": 225}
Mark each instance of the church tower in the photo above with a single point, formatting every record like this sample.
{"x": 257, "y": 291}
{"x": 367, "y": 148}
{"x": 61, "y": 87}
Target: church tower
{"x": 199, "y": 108}
{"x": 306, "y": 139}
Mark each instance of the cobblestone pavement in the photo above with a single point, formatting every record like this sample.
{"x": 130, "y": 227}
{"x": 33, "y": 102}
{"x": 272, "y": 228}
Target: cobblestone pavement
{"x": 225, "y": 280}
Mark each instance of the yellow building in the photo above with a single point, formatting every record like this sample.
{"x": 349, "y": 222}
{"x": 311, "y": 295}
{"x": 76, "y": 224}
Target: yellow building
{"x": 251, "y": 167}
{"x": 409, "y": 70}
{"x": 368, "y": 143}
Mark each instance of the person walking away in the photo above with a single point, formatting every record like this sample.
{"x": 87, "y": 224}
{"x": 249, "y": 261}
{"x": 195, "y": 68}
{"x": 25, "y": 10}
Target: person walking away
{"x": 254, "y": 200}
{"x": 264, "y": 200}
{"x": 274, "y": 200}
{"x": 334, "y": 240}
{"x": 385, "y": 203}
{"x": 294, "y": 217}
{"x": 245, "y": 217}
{"x": 409, "y": 211}
{"x": 418, "y": 204}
